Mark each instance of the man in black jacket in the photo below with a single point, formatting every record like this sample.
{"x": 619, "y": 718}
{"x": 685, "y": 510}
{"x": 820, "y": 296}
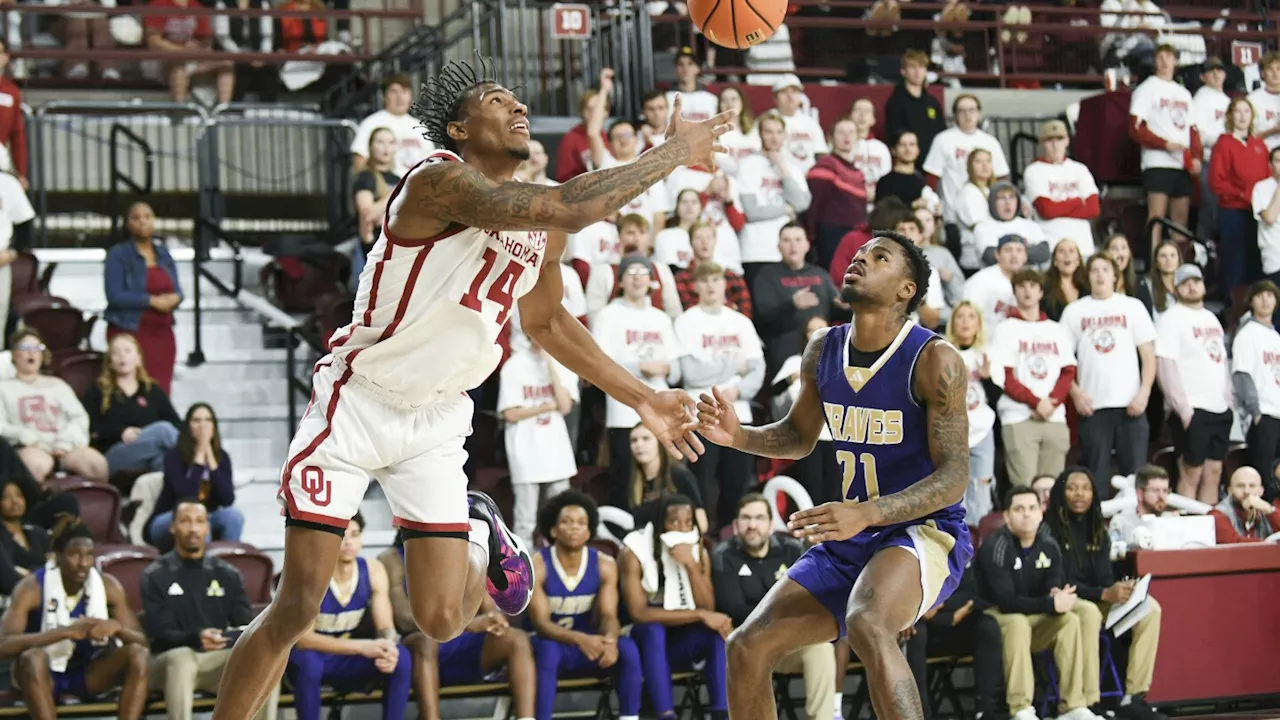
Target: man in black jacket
{"x": 744, "y": 568}
{"x": 1020, "y": 574}
{"x": 911, "y": 108}
{"x": 194, "y": 603}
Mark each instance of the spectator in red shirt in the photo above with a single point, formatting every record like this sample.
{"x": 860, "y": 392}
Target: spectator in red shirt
{"x": 176, "y": 33}
{"x": 13, "y": 126}
{"x": 1243, "y": 516}
{"x": 574, "y": 156}
{"x": 1239, "y": 161}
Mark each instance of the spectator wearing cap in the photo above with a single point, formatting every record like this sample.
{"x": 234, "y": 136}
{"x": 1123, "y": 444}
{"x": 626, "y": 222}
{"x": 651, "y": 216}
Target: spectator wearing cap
{"x": 787, "y": 293}
{"x": 1032, "y": 360}
{"x": 1191, "y": 352}
{"x": 1243, "y": 516}
{"x": 1239, "y": 162}
{"x": 1109, "y": 333}
{"x": 604, "y": 281}
{"x": 991, "y": 288}
{"x": 1159, "y": 110}
{"x": 697, "y": 103}
{"x": 640, "y": 338}
{"x": 411, "y": 146}
{"x": 773, "y": 191}
{"x": 805, "y": 140}
{"x": 911, "y": 108}
{"x": 13, "y": 125}
{"x": 573, "y": 157}
{"x": 839, "y": 191}
{"x": 1266, "y": 208}
{"x": 946, "y": 166}
{"x": 1255, "y": 365}
{"x": 1209, "y": 112}
{"x": 702, "y": 242}
{"x": 1005, "y": 221}
{"x": 1266, "y": 101}
{"x": 719, "y": 348}
{"x": 1062, "y": 191}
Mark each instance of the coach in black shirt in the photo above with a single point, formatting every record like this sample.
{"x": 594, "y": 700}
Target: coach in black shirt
{"x": 744, "y": 568}
{"x": 191, "y": 600}
{"x": 1020, "y": 575}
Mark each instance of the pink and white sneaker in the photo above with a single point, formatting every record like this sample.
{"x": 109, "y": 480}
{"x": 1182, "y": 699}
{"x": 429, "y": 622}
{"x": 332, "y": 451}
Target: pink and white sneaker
{"x": 510, "y": 581}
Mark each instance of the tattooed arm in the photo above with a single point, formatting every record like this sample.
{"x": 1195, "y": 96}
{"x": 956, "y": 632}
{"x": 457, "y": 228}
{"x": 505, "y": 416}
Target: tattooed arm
{"x": 942, "y": 382}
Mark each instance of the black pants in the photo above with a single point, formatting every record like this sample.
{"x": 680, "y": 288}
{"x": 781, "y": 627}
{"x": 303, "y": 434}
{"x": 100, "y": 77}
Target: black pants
{"x": 620, "y": 463}
{"x": 1263, "y": 440}
{"x": 819, "y": 473}
{"x": 979, "y": 633}
{"x": 1108, "y": 430}
{"x": 724, "y": 474}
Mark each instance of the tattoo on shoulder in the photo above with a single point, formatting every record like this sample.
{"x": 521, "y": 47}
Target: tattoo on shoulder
{"x": 458, "y": 193}
{"x": 812, "y": 353}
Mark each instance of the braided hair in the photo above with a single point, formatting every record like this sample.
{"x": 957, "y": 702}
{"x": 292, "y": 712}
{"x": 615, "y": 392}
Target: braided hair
{"x": 1059, "y": 516}
{"x": 441, "y": 98}
{"x": 68, "y": 527}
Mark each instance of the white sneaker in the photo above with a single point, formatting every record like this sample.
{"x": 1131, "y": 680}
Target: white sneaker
{"x": 1080, "y": 713}
{"x": 1027, "y": 713}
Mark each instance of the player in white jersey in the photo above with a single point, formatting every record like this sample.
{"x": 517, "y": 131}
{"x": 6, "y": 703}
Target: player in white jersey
{"x": 462, "y": 241}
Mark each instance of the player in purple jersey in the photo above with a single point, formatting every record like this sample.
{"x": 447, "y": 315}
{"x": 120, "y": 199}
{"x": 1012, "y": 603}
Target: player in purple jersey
{"x": 893, "y": 396}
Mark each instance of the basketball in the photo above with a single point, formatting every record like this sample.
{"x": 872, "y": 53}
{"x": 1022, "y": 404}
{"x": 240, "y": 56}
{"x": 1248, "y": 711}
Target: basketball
{"x": 737, "y": 24}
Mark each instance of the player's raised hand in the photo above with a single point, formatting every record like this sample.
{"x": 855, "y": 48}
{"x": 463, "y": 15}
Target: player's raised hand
{"x": 830, "y": 521}
{"x": 702, "y": 136}
{"x": 670, "y": 416}
{"x": 717, "y": 420}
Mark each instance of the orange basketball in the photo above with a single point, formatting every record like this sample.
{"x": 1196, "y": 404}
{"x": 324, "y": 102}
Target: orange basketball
{"x": 737, "y": 24}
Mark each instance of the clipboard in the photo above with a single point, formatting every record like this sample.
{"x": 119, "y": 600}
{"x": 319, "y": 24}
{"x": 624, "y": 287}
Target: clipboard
{"x": 1123, "y": 617}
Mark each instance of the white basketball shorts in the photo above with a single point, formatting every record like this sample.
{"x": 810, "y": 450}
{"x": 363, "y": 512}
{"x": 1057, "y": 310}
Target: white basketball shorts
{"x": 353, "y": 431}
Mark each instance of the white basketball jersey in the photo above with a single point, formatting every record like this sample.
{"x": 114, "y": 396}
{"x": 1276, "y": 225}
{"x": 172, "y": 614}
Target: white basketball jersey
{"x": 428, "y": 311}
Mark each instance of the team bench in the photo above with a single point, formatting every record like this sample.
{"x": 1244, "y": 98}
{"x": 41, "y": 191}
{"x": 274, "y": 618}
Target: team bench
{"x": 941, "y": 689}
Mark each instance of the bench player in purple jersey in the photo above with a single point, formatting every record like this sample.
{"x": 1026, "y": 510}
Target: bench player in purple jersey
{"x": 893, "y": 395}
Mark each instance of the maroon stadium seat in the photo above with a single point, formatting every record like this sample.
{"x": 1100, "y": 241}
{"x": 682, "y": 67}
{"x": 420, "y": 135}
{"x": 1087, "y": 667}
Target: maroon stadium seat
{"x": 127, "y": 565}
{"x": 990, "y": 523}
{"x": 61, "y": 326}
{"x": 100, "y": 508}
{"x": 256, "y": 568}
{"x": 79, "y": 370}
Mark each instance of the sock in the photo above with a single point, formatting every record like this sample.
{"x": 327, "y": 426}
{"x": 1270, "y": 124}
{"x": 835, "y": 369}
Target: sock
{"x": 479, "y": 537}
{"x": 1126, "y": 700}
{"x": 839, "y": 703}
{"x": 629, "y": 717}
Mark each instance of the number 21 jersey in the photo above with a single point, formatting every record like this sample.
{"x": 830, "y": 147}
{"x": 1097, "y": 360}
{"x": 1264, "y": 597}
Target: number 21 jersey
{"x": 879, "y": 429}
{"x": 428, "y": 310}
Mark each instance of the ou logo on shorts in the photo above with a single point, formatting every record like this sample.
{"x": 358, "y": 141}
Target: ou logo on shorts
{"x": 315, "y": 486}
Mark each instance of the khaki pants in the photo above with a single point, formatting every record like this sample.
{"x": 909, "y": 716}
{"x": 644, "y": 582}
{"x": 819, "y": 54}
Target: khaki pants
{"x": 181, "y": 672}
{"x": 818, "y": 665}
{"x": 1033, "y": 448}
{"x": 1025, "y": 634}
{"x": 1142, "y": 653}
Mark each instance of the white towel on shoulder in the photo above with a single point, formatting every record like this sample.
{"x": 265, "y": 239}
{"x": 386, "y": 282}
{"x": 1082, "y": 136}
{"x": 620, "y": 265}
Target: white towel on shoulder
{"x": 56, "y": 612}
{"x": 677, "y": 591}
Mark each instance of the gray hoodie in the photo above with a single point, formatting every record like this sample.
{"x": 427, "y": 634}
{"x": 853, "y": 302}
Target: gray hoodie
{"x": 1038, "y": 255}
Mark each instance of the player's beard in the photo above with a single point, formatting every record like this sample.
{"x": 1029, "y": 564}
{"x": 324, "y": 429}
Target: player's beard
{"x": 520, "y": 154}
{"x": 850, "y": 294}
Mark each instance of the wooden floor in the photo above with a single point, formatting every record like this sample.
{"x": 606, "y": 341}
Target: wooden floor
{"x": 1250, "y": 715}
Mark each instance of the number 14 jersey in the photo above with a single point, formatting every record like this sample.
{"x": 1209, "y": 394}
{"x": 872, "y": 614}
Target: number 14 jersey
{"x": 428, "y": 311}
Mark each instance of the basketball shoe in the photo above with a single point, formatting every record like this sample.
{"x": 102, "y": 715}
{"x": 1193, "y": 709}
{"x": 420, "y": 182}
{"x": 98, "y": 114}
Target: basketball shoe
{"x": 510, "y": 581}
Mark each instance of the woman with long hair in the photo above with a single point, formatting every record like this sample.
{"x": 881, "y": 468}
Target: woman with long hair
{"x": 935, "y": 249}
{"x": 143, "y": 291}
{"x": 1117, "y": 248}
{"x": 131, "y": 420}
{"x": 1239, "y": 161}
{"x": 197, "y": 468}
{"x": 1074, "y": 520}
{"x": 1065, "y": 280}
{"x": 23, "y": 547}
{"x": 373, "y": 188}
{"x": 1156, "y": 289}
{"x": 968, "y": 334}
{"x": 671, "y": 244}
{"x": 740, "y": 141}
{"x": 654, "y": 476}
{"x": 974, "y": 205}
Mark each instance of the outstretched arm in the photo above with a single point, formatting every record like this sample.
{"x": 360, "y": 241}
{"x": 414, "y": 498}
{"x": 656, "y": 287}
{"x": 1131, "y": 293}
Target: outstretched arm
{"x": 942, "y": 382}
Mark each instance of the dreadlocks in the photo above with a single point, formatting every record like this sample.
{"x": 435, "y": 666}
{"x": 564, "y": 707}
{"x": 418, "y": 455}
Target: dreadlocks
{"x": 1059, "y": 516}
{"x": 441, "y": 98}
{"x": 66, "y": 528}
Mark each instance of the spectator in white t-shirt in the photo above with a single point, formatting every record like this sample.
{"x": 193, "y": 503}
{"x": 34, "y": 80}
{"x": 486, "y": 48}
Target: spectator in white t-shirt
{"x": 534, "y": 169}
{"x": 741, "y": 141}
{"x": 602, "y": 286}
{"x": 696, "y": 102}
{"x": 1160, "y": 120}
{"x": 991, "y": 288}
{"x": 1113, "y": 338}
{"x": 1191, "y": 352}
{"x": 654, "y": 111}
{"x": 596, "y": 244}
{"x": 673, "y": 245}
{"x": 974, "y": 205}
{"x": 411, "y": 145}
{"x": 773, "y": 192}
{"x": 941, "y": 259}
{"x": 623, "y": 147}
{"x": 535, "y": 393}
{"x": 719, "y": 348}
{"x": 870, "y": 154}
{"x": 1062, "y": 191}
{"x": 1266, "y": 207}
{"x": 1266, "y": 101}
{"x": 1255, "y": 375}
{"x": 1209, "y": 106}
{"x": 1004, "y": 205}
{"x": 947, "y": 166}
{"x": 639, "y": 337}
{"x": 16, "y": 215}
{"x": 966, "y": 332}
{"x": 805, "y": 140}
{"x": 1033, "y": 362}
{"x": 931, "y": 310}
